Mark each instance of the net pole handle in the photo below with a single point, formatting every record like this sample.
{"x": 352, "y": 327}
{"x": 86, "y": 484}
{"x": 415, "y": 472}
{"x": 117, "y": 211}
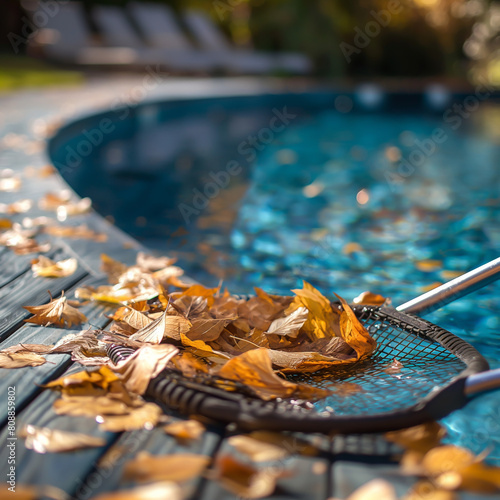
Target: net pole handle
{"x": 482, "y": 382}
{"x": 453, "y": 290}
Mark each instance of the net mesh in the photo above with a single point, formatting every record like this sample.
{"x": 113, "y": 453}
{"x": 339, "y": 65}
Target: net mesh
{"x": 378, "y": 384}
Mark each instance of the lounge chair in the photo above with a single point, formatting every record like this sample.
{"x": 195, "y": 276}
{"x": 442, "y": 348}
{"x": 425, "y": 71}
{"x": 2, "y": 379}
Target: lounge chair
{"x": 213, "y": 41}
{"x": 116, "y": 30}
{"x": 66, "y": 38}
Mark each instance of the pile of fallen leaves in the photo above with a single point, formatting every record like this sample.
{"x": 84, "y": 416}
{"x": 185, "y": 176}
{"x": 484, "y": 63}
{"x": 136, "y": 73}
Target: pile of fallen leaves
{"x": 248, "y": 341}
{"x": 240, "y": 342}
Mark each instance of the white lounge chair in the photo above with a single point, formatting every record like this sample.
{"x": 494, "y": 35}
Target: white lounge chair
{"x": 160, "y": 29}
{"x": 212, "y": 40}
{"x": 66, "y": 38}
{"x": 116, "y": 30}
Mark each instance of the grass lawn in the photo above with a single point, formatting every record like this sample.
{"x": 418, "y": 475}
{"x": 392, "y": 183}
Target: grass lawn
{"x": 22, "y": 71}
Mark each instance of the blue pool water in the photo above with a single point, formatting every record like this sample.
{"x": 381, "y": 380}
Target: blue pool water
{"x": 267, "y": 191}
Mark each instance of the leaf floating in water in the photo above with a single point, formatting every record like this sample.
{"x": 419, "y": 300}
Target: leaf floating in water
{"x": 47, "y": 268}
{"x": 45, "y": 440}
{"x": 56, "y": 312}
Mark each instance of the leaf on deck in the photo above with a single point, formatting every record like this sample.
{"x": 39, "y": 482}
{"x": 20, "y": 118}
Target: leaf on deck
{"x": 185, "y": 430}
{"x": 20, "y": 359}
{"x": 47, "y": 268}
{"x": 163, "y": 489}
{"x": 178, "y": 467}
{"x": 56, "y": 312}
{"x": 45, "y": 440}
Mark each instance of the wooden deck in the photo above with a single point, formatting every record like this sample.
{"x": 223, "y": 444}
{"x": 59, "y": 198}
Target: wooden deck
{"x": 340, "y": 466}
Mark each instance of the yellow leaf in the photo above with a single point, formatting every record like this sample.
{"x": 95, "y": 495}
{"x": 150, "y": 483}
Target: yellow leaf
{"x": 354, "y": 333}
{"x": 321, "y": 320}
{"x": 47, "y": 268}
{"x": 254, "y": 370}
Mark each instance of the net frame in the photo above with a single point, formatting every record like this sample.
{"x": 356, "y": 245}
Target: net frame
{"x": 442, "y": 360}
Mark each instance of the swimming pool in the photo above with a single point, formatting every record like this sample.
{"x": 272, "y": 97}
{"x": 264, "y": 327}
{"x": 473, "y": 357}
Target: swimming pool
{"x": 351, "y": 192}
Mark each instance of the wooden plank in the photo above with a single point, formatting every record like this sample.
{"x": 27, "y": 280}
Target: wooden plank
{"x": 303, "y": 478}
{"x": 107, "y": 473}
{"x": 29, "y": 291}
{"x": 27, "y": 380}
{"x": 12, "y": 265}
{"x": 86, "y": 470}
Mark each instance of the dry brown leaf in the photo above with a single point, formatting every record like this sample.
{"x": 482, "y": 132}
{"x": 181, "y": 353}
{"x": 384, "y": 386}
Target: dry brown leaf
{"x": 20, "y": 359}
{"x": 132, "y": 317}
{"x": 206, "y": 329}
{"x": 426, "y": 490}
{"x": 379, "y": 489}
{"x": 144, "y": 364}
{"x": 394, "y": 367}
{"x": 191, "y": 306}
{"x": 370, "y": 299}
{"x": 178, "y": 467}
{"x": 185, "y": 430}
{"x": 244, "y": 480}
{"x": 5, "y": 223}
{"x": 354, "y": 333}
{"x": 202, "y": 349}
{"x": 163, "y": 489}
{"x": 112, "y": 268}
{"x": 36, "y": 348}
{"x": 47, "y": 268}
{"x": 201, "y": 291}
{"x": 146, "y": 417}
{"x": 258, "y": 450}
{"x": 165, "y": 326}
{"x": 289, "y": 325}
{"x": 188, "y": 364}
{"x": 321, "y": 321}
{"x": 77, "y": 232}
{"x": 420, "y": 438}
{"x": 150, "y": 263}
{"x": 254, "y": 370}
{"x": 56, "y": 312}
{"x": 102, "y": 378}
{"x": 45, "y": 440}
